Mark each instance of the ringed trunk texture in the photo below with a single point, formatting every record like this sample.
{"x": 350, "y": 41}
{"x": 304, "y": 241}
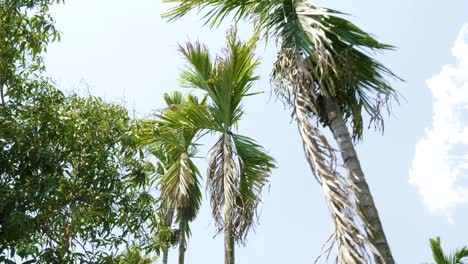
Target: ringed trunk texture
{"x": 366, "y": 202}
{"x": 165, "y": 257}
{"x": 228, "y": 241}
{"x": 182, "y": 242}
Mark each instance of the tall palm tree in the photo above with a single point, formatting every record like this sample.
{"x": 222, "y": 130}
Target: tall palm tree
{"x": 325, "y": 73}
{"x": 179, "y": 183}
{"x": 238, "y": 167}
{"x": 458, "y": 257}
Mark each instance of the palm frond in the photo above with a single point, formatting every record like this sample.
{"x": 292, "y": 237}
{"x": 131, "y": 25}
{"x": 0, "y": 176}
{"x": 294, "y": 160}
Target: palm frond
{"x": 223, "y": 180}
{"x": 226, "y": 80}
{"x": 255, "y": 169}
{"x": 440, "y": 257}
{"x": 437, "y": 251}
{"x": 351, "y": 232}
{"x": 176, "y": 98}
{"x": 335, "y": 51}
{"x": 199, "y": 71}
{"x": 461, "y": 255}
{"x": 181, "y": 188}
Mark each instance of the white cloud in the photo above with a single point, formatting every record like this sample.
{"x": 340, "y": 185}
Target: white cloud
{"x": 440, "y": 162}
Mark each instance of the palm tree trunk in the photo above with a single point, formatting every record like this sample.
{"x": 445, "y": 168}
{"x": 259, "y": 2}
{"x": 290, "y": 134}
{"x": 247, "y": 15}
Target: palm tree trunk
{"x": 165, "y": 256}
{"x": 228, "y": 241}
{"x": 182, "y": 242}
{"x": 366, "y": 202}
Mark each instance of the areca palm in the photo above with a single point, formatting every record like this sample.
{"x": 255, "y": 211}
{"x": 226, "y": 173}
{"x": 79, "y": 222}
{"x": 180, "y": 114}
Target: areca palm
{"x": 458, "y": 257}
{"x": 325, "y": 73}
{"x": 238, "y": 167}
{"x": 179, "y": 182}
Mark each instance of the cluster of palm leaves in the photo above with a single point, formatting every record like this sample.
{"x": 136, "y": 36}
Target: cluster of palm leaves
{"x": 238, "y": 167}
{"x": 324, "y": 71}
{"x": 460, "y": 256}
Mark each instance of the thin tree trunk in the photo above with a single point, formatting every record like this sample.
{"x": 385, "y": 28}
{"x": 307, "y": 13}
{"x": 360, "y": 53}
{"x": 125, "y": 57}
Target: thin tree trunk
{"x": 228, "y": 241}
{"x": 165, "y": 256}
{"x": 182, "y": 242}
{"x": 168, "y": 214}
{"x": 351, "y": 161}
{"x": 1, "y": 89}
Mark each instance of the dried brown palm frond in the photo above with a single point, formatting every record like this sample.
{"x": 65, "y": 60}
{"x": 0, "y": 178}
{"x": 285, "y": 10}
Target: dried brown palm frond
{"x": 178, "y": 183}
{"x": 295, "y": 83}
{"x": 350, "y": 236}
{"x": 223, "y": 180}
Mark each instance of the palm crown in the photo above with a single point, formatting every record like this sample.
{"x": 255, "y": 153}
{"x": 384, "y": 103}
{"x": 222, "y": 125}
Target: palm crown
{"x": 319, "y": 50}
{"x": 238, "y": 166}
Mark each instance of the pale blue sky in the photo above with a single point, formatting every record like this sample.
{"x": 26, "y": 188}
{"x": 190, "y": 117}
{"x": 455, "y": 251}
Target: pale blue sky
{"x": 123, "y": 49}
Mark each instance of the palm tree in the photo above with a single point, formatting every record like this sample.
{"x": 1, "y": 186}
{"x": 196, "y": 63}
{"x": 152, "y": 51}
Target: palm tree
{"x": 133, "y": 255}
{"x": 325, "y": 74}
{"x": 179, "y": 183}
{"x": 458, "y": 257}
{"x": 238, "y": 167}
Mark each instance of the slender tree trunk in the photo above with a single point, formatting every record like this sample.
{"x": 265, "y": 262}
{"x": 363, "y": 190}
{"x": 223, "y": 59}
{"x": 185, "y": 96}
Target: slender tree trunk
{"x": 1, "y": 90}
{"x": 351, "y": 161}
{"x": 165, "y": 256}
{"x": 168, "y": 214}
{"x": 228, "y": 241}
{"x": 182, "y": 242}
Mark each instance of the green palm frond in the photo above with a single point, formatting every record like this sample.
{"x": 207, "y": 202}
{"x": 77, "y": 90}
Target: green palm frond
{"x": 458, "y": 257}
{"x": 174, "y": 144}
{"x": 255, "y": 168}
{"x": 226, "y": 80}
{"x": 238, "y": 167}
{"x": 438, "y": 252}
{"x": 332, "y": 52}
{"x": 461, "y": 255}
{"x": 332, "y": 56}
{"x": 200, "y": 69}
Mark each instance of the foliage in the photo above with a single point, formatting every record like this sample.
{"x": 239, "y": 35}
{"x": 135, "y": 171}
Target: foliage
{"x": 26, "y": 29}
{"x": 323, "y": 60}
{"x": 72, "y": 180}
{"x": 319, "y": 49}
{"x": 176, "y": 174}
{"x": 460, "y": 256}
{"x": 238, "y": 166}
{"x": 133, "y": 255}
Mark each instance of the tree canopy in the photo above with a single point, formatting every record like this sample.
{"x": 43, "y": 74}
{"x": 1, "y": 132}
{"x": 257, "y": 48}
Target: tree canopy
{"x": 73, "y": 179}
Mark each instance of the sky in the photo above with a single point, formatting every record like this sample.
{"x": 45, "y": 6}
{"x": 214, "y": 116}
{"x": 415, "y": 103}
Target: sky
{"x": 417, "y": 171}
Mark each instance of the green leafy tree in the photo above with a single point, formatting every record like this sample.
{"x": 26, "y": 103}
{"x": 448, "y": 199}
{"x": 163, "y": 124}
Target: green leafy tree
{"x": 72, "y": 178}
{"x": 238, "y": 167}
{"x": 26, "y": 29}
{"x": 460, "y": 256}
{"x": 325, "y": 74}
{"x": 72, "y": 181}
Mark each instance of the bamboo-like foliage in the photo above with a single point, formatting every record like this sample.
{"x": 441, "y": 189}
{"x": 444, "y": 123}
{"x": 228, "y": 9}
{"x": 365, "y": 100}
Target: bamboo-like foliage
{"x": 322, "y": 57}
